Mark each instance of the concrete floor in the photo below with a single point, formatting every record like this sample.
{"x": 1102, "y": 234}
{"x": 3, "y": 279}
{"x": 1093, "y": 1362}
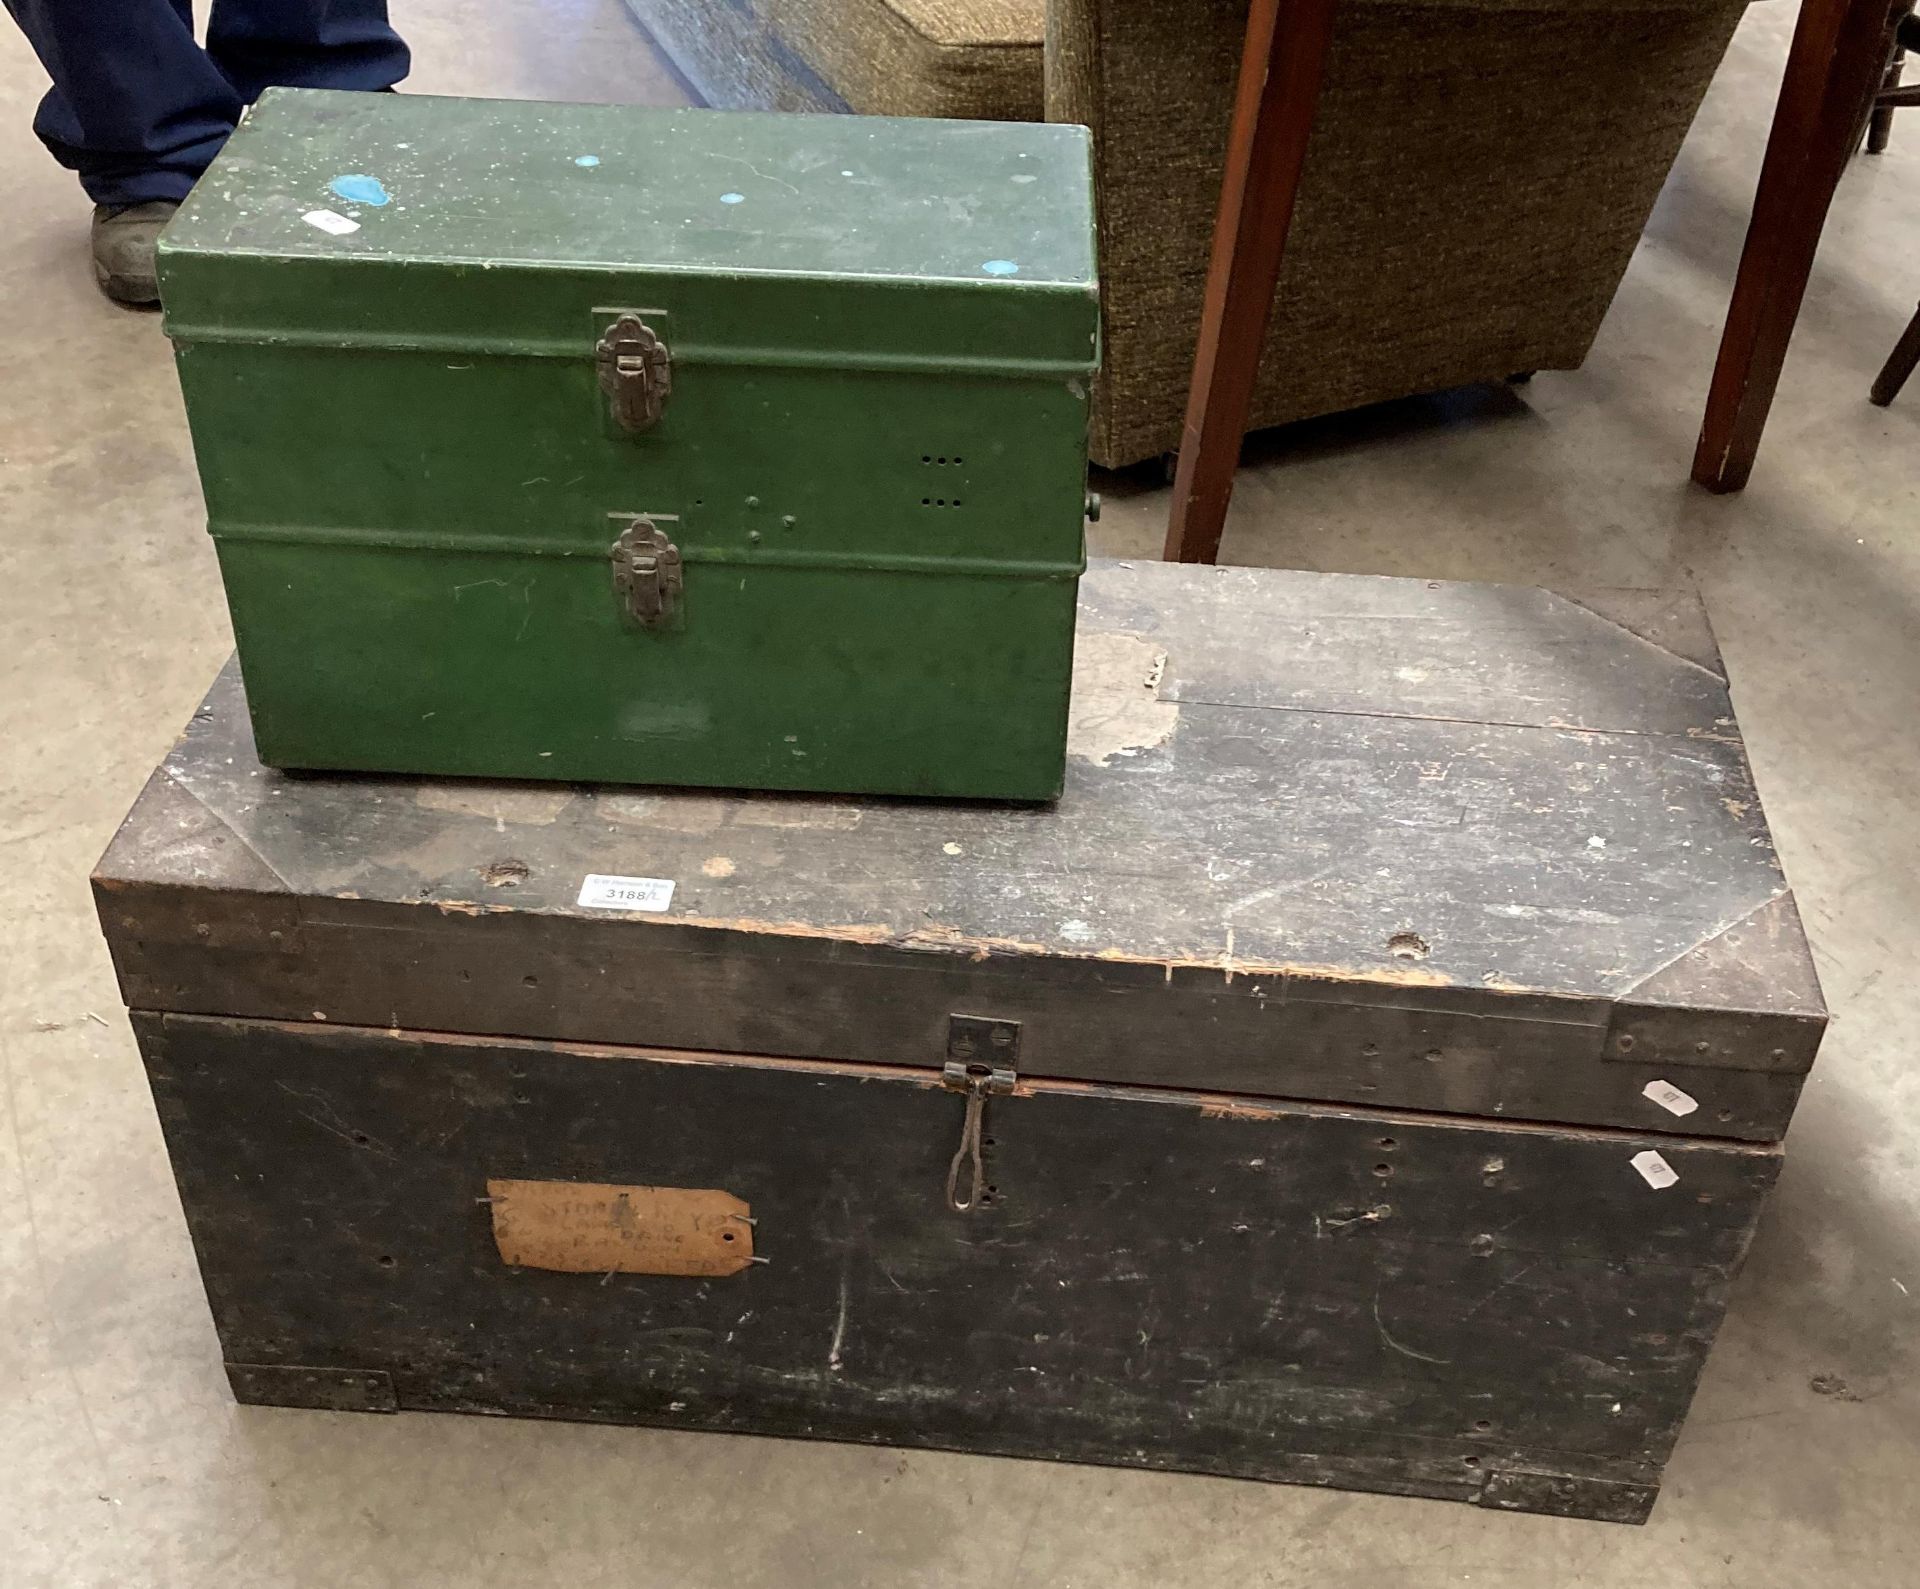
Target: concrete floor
{"x": 122, "y": 1457}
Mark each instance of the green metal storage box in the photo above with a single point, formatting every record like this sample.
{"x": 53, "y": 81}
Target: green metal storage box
{"x": 602, "y": 443}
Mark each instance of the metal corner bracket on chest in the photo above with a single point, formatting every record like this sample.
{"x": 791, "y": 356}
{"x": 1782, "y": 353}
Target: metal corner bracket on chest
{"x": 983, "y": 1057}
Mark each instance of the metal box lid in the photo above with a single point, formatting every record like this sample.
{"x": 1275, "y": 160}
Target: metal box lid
{"x": 436, "y": 221}
{"x": 1471, "y": 849}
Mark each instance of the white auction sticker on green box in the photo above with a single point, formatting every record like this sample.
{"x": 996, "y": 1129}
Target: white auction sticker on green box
{"x": 601, "y": 892}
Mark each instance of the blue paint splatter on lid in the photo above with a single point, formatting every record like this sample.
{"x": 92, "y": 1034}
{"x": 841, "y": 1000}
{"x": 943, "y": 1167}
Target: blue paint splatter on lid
{"x": 359, "y": 190}
{"x": 586, "y": 159}
{"x": 1001, "y": 267}
{"x": 733, "y": 198}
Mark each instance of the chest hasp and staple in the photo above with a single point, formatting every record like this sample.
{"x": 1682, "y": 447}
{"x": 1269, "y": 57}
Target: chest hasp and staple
{"x": 636, "y": 373}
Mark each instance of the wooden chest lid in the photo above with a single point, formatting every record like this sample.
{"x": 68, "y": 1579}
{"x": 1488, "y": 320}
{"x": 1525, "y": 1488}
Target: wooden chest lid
{"x": 1464, "y": 848}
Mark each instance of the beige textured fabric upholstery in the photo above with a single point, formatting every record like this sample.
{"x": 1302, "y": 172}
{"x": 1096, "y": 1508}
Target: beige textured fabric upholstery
{"x": 1479, "y": 174}
{"x": 970, "y": 59}
{"x": 1477, "y": 179}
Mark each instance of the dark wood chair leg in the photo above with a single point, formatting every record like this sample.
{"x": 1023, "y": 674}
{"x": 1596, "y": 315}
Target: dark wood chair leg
{"x": 1837, "y": 59}
{"x": 1880, "y": 123}
{"x": 1281, "y": 67}
{"x": 1900, "y": 362}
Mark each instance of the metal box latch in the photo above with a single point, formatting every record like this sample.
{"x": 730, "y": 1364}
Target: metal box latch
{"x": 646, "y": 572}
{"x": 982, "y": 1056}
{"x": 636, "y": 372}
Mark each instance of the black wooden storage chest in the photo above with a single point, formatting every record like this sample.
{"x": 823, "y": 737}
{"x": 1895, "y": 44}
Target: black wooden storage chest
{"x": 1370, "y": 1073}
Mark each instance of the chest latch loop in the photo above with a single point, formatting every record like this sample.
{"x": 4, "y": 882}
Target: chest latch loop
{"x": 982, "y": 1058}
{"x": 636, "y": 373}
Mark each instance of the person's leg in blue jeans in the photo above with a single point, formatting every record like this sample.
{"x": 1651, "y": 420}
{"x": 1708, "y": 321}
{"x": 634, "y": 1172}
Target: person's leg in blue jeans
{"x": 137, "y": 108}
{"x": 261, "y": 44}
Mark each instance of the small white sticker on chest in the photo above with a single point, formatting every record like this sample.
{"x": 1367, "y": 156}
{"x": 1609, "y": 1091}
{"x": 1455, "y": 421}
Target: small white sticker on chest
{"x": 626, "y": 893}
{"x": 1654, "y": 1170}
{"x": 1670, "y": 1097}
{"x": 331, "y": 221}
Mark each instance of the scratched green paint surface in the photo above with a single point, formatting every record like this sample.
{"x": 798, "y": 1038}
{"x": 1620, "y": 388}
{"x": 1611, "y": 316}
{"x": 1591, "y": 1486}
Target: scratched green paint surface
{"x": 873, "y": 458}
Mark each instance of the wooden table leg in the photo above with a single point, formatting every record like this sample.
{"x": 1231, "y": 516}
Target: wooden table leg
{"x": 1281, "y": 67}
{"x": 1900, "y": 364}
{"x": 1838, "y": 55}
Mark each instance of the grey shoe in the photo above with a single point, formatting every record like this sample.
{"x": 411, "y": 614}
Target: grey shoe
{"x": 123, "y": 242}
